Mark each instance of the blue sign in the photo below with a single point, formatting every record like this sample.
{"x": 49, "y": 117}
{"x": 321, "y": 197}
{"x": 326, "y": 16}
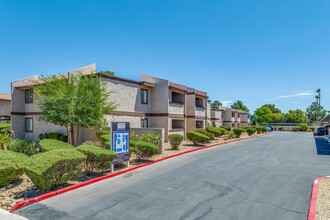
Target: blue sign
{"x": 119, "y": 140}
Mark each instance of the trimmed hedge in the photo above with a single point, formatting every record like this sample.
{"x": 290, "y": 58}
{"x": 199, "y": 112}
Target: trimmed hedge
{"x": 303, "y": 127}
{"x": 54, "y": 135}
{"x": 143, "y": 149}
{"x": 225, "y": 127}
{"x": 175, "y": 140}
{"x": 5, "y": 141}
{"x": 53, "y": 168}
{"x": 281, "y": 128}
{"x": 197, "y": 138}
{"x": 209, "y": 134}
{"x": 229, "y": 136}
{"x": 214, "y": 130}
{"x": 97, "y": 158}
{"x": 24, "y": 146}
{"x": 10, "y": 166}
{"x": 250, "y": 131}
{"x": 237, "y": 132}
{"x": 51, "y": 144}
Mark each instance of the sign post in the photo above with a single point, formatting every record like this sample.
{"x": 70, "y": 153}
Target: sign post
{"x": 119, "y": 142}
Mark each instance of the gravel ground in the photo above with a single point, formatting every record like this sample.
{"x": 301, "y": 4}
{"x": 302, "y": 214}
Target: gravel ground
{"x": 323, "y": 200}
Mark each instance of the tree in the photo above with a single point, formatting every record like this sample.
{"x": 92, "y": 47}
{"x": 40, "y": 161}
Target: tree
{"x": 216, "y": 104}
{"x": 240, "y": 106}
{"x": 318, "y": 101}
{"x": 273, "y": 108}
{"x": 296, "y": 116}
{"x": 315, "y": 112}
{"x": 263, "y": 115}
{"x": 73, "y": 102}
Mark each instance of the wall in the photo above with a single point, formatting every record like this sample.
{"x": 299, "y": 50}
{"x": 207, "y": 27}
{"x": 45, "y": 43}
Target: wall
{"x": 159, "y": 131}
{"x": 5, "y": 107}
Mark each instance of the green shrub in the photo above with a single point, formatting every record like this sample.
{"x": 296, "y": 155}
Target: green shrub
{"x": 237, "y": 132}
{"x": 93, "y": 143}
{"x": 53, "y": 168}
{"x": 263, "y": 130}
{"x": 209, "y": 134}
{"x": 5, "y": 128}
{"x": 175, "y": 140}
{"x": 10, "y": 166}
{"x": 64, "y": 138}
{"x": 259, "y": 129}
{"x": 223, "y": 131}
{"x": 55, "y": 136}
{"x": 43, "y": 136}
{"x": 24, "y": 146}
{"x": 250, "y": 131}
{"x": 214, "y": 130}
{"x": 303, "y": 127}
{"x": 281, "y": 128}
{"x": 310, "y": 130}
{"x": 296, "y": 128}
{"x": 51, "y": 144}
{"x": 97, "y": 158}
{"x": 103, "y": 131}
{"x": 229, "y": 136}
{"x": 105, "y": 137}
{"x": 5, "y": 141}
{"x": 156, "y": 139}
{"x": 143, "y": 149}
{"x": 225, "y": 127}
{"x": 197, "y": 138}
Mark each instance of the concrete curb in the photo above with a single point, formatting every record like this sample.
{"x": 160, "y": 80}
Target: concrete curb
{"x": 312, "y": 204}
{"x": 30, "y": 201}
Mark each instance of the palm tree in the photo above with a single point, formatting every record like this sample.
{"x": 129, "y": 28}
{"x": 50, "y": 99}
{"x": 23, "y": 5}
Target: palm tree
{"x": 318, "y": 100}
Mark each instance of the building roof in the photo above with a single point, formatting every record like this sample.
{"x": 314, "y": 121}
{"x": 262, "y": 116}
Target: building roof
{"x": 5, "y": 96}
{"x": 177, "y": 86}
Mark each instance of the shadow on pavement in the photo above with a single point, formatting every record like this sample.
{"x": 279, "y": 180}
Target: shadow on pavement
{"x": 322, "y": 147}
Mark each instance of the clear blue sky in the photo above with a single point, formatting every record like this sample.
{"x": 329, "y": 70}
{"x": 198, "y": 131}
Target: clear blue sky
{"x": 266, "y": 51}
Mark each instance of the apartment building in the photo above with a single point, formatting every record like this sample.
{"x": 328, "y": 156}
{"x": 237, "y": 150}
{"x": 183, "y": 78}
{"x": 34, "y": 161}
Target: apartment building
{"x": 149, "y": 103}
{"x": 5, "y": 102}
{"x": 234, "y": 118}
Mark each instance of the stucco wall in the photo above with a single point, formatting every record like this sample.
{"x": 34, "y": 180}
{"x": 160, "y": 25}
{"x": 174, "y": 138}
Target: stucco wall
{"x": 4, "y": 107}
{"x": 160, "y": 94}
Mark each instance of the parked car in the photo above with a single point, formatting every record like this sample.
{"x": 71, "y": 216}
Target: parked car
{"x": 326, "y": 138}
{"x": 269, "y": 129}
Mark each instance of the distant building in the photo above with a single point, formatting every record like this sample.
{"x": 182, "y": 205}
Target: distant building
{"x": 5, "y": 102}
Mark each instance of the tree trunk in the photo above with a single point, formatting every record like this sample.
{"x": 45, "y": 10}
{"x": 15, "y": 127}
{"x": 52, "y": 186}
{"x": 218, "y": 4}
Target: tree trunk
{"x": 72, "y": 135}
{"x": 77, "y": 137}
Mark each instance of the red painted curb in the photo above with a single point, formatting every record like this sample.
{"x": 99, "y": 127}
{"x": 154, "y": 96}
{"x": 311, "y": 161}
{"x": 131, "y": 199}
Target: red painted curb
{"x": 312, "y": 204}
{"x": 30, "y": 201}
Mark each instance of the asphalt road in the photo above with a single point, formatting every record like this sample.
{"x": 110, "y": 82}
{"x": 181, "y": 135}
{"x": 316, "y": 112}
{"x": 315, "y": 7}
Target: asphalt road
{"x": 262, "y": 178}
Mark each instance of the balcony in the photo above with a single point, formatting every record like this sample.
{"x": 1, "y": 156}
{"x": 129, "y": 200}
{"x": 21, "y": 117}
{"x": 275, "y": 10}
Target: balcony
{"x": 200, "y": 112}
{"x": 176, "y": 108}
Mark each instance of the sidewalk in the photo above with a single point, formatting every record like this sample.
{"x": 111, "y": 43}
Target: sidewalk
{"x": 4, "y": 215}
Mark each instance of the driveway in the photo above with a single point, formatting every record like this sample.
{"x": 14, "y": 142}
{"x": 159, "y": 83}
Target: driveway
{"x": 262, "y": 178}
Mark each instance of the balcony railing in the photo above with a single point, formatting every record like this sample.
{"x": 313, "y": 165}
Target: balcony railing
{"x": 176, "y": 108}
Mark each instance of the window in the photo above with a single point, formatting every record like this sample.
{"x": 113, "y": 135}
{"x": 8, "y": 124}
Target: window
{"x": 29, "y": 96}
{"x": 199, "y": 124}
{"x": 199, "y": 103}
{"x": 144, "y": 96}
{"x": 239, "y": 115}
{"x": 28, "y": 124}
{"x": 144, "y": 123}
{"x": 233, "y": 114}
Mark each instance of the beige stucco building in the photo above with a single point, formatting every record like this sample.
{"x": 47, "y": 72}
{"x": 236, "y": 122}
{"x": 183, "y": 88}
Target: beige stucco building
{"x": 5, "y": 102}
{"x": 149, "y": 103}
{"x": 234, "y": 118}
